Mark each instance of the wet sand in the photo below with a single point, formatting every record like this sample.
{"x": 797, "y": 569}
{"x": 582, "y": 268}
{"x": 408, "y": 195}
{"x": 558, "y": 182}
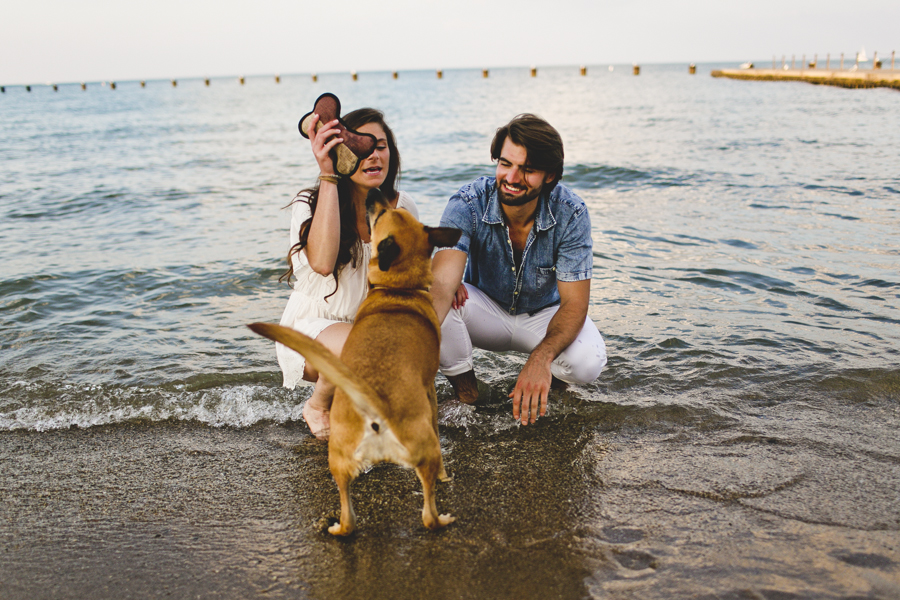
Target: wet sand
{"x": 568, "y": 508}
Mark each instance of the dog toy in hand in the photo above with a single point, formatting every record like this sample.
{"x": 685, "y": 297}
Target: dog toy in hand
{"x": 356, "y": 146}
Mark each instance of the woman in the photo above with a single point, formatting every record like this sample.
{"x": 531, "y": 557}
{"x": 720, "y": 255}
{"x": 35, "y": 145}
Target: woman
{"x": 330, "y": 251}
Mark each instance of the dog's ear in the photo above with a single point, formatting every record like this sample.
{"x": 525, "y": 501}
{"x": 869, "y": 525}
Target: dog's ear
{"x": 442, "y": 237}
{"x": 388, "y": 251}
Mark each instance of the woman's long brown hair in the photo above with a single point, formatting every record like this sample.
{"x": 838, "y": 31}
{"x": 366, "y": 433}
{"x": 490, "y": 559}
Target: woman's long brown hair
{"x": 350, "y": 246}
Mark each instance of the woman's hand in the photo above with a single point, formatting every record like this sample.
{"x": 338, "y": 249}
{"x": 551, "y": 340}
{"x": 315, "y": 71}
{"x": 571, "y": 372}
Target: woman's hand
{"x": 459, "y": 299}
{"x": 322, "y": 145}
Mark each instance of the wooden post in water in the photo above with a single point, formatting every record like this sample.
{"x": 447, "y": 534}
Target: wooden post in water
{"x": 637, "y": 69}
{"x": 484, "y": 73}
{"x": 354, "y": 75}
{"x": 828, "y": 61}
{"x": 174, "y": 83}
{"x": 440, "y": 74}
{"x": 27, "y": 88}
{"x": 278, "y": 79}
{"x": 206, "y": 81}
{"x": 534, "y": 71}
{"x": 143, "y": 84}
{"x": 892, "y": 59}
{"x": 55, "y": 89}
{"x": 112, "y": 85}
{"x": 842, "y": 61}
{"x": 394, "y": 74}
{"x": 83, "y": 86}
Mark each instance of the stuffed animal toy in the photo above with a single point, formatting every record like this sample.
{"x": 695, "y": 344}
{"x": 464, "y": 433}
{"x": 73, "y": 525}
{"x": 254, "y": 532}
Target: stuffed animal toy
{"x": 356, "y": 146}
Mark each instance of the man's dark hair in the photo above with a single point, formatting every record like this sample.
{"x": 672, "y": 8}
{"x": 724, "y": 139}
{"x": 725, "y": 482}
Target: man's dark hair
{"x": 539, "y": 138}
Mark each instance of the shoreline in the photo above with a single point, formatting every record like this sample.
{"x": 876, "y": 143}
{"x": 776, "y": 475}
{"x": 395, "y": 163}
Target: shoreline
{"x": 843, "y": 78}
{"x": 559, "y": 509}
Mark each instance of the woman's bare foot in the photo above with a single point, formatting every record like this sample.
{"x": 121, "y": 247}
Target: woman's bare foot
{"x": 317, "y": 410}
{"x": 318, "y": 420}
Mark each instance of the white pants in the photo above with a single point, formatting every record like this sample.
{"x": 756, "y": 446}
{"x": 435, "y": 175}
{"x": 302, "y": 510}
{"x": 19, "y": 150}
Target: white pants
{"x": 483, "y": 324}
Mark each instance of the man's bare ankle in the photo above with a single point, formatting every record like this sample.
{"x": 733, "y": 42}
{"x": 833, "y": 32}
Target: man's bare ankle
{"x": 558, "y": 384}
{"x": 465, "y": 385}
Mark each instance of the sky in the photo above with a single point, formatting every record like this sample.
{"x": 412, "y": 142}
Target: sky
{"x": 60, "y": 41}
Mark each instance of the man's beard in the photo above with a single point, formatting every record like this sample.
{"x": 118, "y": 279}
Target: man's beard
{"x": 517, "y": 200}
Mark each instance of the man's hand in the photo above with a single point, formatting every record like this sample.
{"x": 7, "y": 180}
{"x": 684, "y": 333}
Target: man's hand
{"x": 532, "y": 388}
{"x": 530, "y": 394}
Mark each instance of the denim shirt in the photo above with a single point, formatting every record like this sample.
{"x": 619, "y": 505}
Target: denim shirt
{"x": 558, "y": 248}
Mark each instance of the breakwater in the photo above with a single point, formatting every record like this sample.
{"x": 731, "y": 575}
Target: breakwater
{"x": 843, "y": 78}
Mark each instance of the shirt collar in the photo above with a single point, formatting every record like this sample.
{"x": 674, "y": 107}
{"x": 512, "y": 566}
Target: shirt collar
{"x": 493, "y": 212}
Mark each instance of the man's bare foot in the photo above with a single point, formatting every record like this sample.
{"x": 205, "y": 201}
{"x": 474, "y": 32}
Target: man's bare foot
{"x": 318, "y": 421}
{"x": 558, "y": 384}
{"x": 465, "y": 385}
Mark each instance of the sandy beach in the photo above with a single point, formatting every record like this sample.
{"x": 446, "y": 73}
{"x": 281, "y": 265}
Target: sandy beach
{"x": 187, "y": 511}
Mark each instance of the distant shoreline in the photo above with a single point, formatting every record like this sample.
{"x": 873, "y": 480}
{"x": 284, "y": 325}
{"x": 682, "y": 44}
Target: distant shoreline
{"x": 850, "y": 79}
{"x": 585, "y": 69}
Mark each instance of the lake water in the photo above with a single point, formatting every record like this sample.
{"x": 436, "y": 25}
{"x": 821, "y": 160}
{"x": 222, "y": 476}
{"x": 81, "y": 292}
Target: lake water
{"x": 746, "y": 243}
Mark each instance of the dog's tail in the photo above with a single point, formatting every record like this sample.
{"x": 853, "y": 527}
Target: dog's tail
{"x": 329, "y": 365}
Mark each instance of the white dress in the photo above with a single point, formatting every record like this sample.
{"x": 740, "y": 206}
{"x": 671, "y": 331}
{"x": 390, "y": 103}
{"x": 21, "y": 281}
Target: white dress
{"x": 307, "y": 310}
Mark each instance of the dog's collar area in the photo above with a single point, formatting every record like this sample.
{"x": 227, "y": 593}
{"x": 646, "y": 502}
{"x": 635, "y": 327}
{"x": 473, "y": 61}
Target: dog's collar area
{"x": 396, "y": 289}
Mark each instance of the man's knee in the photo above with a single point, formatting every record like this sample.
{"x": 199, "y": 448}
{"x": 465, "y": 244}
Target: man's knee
{"x": 581, "y": 362}
{"x": 456, "y": 346}
{"x": 585, "y": 371}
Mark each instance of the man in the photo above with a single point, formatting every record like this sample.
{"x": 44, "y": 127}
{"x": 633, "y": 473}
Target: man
{"x": 526, "y": 255}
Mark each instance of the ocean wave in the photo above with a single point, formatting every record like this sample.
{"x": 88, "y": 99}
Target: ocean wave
{"x": 591, "y": 176}
{"x": 671, "y": 385}
{"x": 92, "y": 405}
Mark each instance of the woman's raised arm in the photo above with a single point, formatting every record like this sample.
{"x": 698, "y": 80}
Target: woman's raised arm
{"x": 324, "y": 238}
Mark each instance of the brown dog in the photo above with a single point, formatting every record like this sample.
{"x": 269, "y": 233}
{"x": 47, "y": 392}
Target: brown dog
{"x": 385, "y": 406}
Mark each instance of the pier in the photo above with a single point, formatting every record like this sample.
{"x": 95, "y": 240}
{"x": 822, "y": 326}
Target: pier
{"x": 869, "y": 78}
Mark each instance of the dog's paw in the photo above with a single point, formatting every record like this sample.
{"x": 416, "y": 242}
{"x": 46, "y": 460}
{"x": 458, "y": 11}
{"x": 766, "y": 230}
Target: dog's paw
{"x": 325, "y": 523}
{"x": 435, "y": 522}
{"x": 446, "y": 519}
{"x": 337, "y": 529}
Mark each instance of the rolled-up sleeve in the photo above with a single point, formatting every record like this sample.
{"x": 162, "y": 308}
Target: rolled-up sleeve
{"x": 460, "y": 214}
{"x": 575, "y": 259}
